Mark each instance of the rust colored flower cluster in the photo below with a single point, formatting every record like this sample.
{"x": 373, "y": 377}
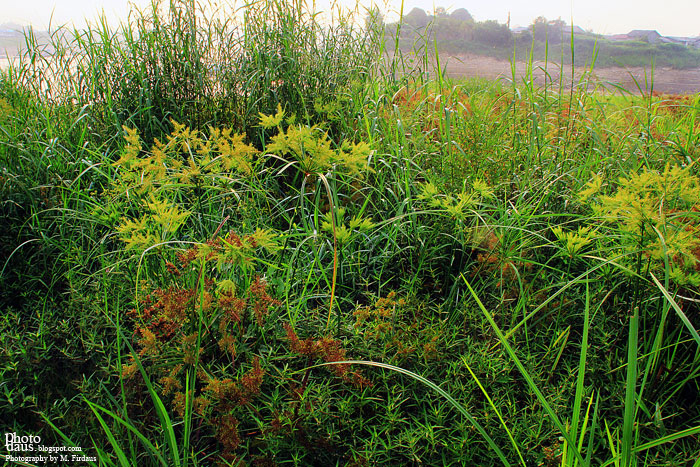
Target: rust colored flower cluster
{"x": 329, "y": 350}
{"x": 227, "y": 394}
{"x": 263, "y": 300}
{"x": 201, "y": 323}
{"x": 166, "y": 311}
{"x": 227, "y": 433}
{"x": 232, "y": 308}
{"x": 379, "y": 320}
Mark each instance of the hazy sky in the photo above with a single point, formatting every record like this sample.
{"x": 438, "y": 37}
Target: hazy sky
{"x": 669, "y": 17}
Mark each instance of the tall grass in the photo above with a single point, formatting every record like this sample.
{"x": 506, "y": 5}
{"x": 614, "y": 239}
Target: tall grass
{"x": 200, "y": 63}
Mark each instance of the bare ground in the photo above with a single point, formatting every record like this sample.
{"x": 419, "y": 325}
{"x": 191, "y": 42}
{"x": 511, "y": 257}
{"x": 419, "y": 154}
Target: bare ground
{"x": 665, "y": 80}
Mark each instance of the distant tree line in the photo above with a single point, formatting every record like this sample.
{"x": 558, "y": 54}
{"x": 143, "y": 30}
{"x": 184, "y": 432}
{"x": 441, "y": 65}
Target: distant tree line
{"x": 453, "y": 31}
{"x": 457, "y": 33}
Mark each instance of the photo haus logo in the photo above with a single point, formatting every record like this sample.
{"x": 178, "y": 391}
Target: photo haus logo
{"x": 29, "y": 450}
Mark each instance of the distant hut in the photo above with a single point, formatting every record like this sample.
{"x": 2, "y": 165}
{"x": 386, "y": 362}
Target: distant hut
{"x": 646, "y": 35}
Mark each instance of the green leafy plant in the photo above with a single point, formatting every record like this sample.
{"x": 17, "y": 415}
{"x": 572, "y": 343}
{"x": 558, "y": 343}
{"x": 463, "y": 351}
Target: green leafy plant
{"x": 657, "y": 212}
{"x": 310, "y": 151}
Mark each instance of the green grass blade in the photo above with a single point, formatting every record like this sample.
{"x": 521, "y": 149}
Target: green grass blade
{"x": 531, "y": 383}
{"x": 498, "y": 412}
{"x": 151, "y": 448}
{"x": 667, "y": 439}
{"x": 612, "y": 443}
{"x": 163, "y": 416}
{"x": 578, "y": 398}
{"x": 681, "y": 315}
{"x": 63, "y": 436}
{"x": 451, "y": 400}
{"x": 112, "y": 440}
{"x": 630, "y": 391}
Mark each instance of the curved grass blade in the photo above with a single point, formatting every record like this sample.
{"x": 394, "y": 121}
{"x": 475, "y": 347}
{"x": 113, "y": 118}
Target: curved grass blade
{"x": 65, "y": 438}
{"x": 155, "y": 451}
{"x": 681, "y": 315}
{"x": 451, "y": 400}
{"x": 531, "y": 383}
{"x": 123, "y": 461}
{"x": 165, "y": 421}
{"x": 495, "y": 409}
{"x": 668, "y": 439}
{"x": 630, "y": 413}
{"x": 335, "y": 246}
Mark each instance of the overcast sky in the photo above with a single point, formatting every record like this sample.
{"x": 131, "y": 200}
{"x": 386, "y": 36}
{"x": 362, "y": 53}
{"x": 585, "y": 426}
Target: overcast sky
{"x": 669, "y": 17}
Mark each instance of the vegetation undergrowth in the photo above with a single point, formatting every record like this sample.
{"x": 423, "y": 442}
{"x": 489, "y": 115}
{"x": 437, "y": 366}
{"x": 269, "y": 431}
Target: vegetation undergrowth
{"x": 299, "y": 253}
